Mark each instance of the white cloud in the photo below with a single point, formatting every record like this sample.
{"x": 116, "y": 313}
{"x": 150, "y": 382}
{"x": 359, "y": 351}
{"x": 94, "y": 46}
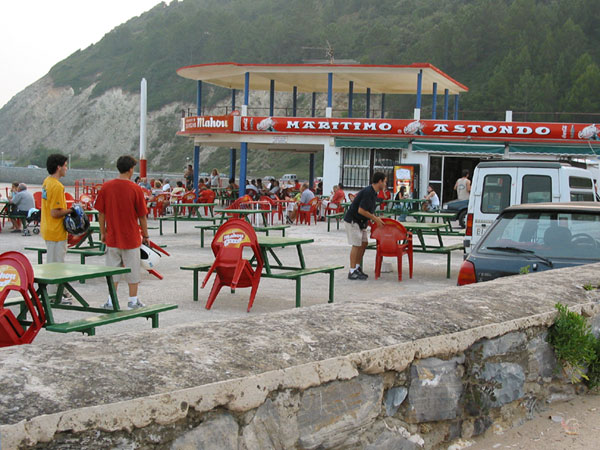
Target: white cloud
{"x": 35, "y": 35}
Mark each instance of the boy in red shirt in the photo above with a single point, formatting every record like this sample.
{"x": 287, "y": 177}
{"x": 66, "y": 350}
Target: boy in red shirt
{"x": 121, "y": 207}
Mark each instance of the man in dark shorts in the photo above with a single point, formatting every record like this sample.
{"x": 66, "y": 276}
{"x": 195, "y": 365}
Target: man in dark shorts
{"x": 356, "y": 221}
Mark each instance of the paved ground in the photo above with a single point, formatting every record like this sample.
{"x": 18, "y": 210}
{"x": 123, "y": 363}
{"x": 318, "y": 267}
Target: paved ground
{"x": 273, "y": 295}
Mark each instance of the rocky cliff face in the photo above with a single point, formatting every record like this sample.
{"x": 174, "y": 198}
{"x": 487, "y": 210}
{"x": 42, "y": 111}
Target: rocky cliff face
{"x": 55, "y": 117}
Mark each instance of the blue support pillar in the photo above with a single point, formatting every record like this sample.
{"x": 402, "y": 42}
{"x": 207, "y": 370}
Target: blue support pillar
{"x": 434, "y": 102}
{"x": 350, "y": 97}
{"x": 199, "y": 98}
{"x": 419, "y": 88}
{"x": 368, "y": 101}
{"x": 295, "y": 101}
{"x": 313, "y": 105}
{"x": 272, "y": 98}
{"x": 311, "y": 171}
{"x": 382, "y": 106}
{"x": 232, "y": 151}
{"x": 232, "y": 160}
{"x": 445, "y": 104}
{"x": 243, "y": 159}
{"x": 456, "y": 107}
{"x": 246, "y": 87}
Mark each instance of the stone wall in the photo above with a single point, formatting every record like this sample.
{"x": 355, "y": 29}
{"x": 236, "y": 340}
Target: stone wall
{"x": 391, "y": 373}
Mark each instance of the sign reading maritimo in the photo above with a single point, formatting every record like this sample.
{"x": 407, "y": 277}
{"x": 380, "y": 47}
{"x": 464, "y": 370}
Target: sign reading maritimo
{"x": 491, "y": 130}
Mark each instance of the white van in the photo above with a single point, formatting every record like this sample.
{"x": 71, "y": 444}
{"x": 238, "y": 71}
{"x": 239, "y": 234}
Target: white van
{"x": 289, "y": 178}
{"x": 499, "y": 184}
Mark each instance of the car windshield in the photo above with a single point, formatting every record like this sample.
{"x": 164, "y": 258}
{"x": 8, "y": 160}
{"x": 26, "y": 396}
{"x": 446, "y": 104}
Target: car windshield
{"x": 549, "y": 234}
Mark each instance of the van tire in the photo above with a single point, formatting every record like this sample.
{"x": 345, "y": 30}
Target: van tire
{"x": 461, "y": 218}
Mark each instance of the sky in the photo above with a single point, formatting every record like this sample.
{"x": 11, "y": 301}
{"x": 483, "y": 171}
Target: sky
{"x": 37, "y": 34}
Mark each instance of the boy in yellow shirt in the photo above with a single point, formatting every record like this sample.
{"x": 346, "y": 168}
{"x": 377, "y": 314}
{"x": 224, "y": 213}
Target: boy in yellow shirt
{"x": 54, "y": 209}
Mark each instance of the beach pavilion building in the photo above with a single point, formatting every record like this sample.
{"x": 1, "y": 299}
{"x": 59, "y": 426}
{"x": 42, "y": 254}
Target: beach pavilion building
{"x": 355, "y": 144}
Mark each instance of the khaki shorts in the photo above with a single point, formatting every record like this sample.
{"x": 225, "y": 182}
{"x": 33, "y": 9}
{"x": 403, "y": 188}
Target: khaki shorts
{"x": 118, "y": 257}
{"x": 355, "y": 235}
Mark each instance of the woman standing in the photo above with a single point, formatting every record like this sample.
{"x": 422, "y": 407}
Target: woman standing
{"x": 215, "y": 180}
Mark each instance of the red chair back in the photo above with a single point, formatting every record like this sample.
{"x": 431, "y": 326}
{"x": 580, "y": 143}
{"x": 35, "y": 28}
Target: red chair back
{"x": 392, "y": 240}
{"x": 230, "y": 266}
{"x": 188, "y": 197}
{"x": 207, "y": 196}
{"x": 16, "y": 275}
{"x": 37, "y": 199}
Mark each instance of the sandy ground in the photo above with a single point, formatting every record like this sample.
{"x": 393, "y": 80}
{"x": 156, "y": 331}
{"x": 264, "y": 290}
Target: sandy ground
{"x": 578, "y": 425}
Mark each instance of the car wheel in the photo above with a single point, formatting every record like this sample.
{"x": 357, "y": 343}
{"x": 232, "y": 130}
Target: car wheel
{"x": 461, "y": 218}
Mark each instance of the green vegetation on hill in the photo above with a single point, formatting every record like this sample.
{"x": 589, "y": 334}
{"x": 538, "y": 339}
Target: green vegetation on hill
{"x": 530, "y": 56}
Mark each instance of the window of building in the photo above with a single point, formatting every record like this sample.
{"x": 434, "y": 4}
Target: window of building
{"x": 359, "y": 164}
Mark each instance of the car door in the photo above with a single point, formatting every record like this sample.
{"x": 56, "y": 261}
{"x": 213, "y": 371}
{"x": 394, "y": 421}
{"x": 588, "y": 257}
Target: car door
{"x": 537, "y": 185}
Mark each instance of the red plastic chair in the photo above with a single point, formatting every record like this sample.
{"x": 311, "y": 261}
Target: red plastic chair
{"x": 230, "y": 266}
{"x": 392, "y": 240}
{"x": 207, "y": 196}
{"x": 86, "y": 201}
{"x": 161, "y": 201}
{"x": 16, "y": 275}
{"x": 275, "y": 207}
{"x": 304, "y": 216}
{"x": 384, "y": 195}
{"x": 37, "y": 199}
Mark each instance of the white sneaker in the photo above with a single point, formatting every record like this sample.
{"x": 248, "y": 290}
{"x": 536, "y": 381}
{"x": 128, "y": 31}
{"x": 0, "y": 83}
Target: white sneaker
{"x": 132, "y": 305}
{"x": 65, "y": 301}
{"x": 108, "y": 305}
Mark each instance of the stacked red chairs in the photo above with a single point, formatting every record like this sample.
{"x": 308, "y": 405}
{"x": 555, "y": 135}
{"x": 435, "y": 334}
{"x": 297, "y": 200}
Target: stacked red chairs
{"x": 239, "y": 203}
{"x": 394, "y": 241}
{"x": 207, "y": 196}
{"x": 230, "y": 266}
{"x": 16, "y": 275}
{"x": 275, "y": 207}
{"x": 313, "y": 211}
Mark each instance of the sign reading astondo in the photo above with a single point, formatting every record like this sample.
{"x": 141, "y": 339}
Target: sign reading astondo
{"x": 424, "y": 128}
{"x": 208, "y": 124}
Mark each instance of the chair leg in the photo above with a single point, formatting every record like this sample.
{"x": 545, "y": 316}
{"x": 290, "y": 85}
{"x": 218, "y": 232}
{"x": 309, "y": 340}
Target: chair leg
{"x": 378, "y": 260}
{"x": 214, "y": 292}
{"x": 410, "y": 264}
{"x": 400, "y": 265}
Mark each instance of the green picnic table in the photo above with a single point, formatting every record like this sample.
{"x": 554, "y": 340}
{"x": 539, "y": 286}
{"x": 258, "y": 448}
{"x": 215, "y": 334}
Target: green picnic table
{"x": 446, "y": 217}
{"x": 63, "y": 275}
{"x": 192, "y": 208}
{"x": 267, "y": 245}
{"x": 245, "y": 213}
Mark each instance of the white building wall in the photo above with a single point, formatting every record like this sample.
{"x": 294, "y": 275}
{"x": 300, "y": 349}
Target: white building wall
{"x": 332, "y": 163}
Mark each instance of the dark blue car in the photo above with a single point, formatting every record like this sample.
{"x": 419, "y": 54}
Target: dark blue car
{"x": 534, "y": 237}
{"x": 458, "y": 206}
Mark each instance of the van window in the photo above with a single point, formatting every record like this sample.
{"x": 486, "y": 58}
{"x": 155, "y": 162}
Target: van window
{"x": 582, "y": 196}
{"x": 580, "y": 183}
{"x": 496, "y": 193}
{"x": 536, "y": 189}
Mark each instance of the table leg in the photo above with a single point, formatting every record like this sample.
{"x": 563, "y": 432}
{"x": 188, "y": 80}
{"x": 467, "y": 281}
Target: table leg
{"x": 160, "y": 226}
{"x": 421, "y": 238}
{"x": 331, "y": 288}
{"x": 301, "y": 256}
{"x": 75, "y": 294}
{"x": 113, "y": 293}
{"x": 439, "y": 235}
{"x": 266, "y": 263}
{"x": 42, "y": 292}
{"x": 298, "y": 292}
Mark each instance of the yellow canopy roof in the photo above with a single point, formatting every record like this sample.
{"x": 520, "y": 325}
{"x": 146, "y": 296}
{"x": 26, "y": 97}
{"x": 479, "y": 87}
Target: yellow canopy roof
{"x": 313, "y": 77}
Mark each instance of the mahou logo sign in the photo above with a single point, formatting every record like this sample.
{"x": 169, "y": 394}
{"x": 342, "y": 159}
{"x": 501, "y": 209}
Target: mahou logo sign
{"x": 234, "y": 238}
{"x": 8, "y": 276}
{"x": 422, "y": 128}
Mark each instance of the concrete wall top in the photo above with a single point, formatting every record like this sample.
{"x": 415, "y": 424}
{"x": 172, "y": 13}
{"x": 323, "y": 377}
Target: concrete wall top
{"x": 307, "y": 345}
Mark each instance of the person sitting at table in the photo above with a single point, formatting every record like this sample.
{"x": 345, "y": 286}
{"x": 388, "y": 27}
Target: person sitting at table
{"x": 167, "y": 186}
{"x": 382, "y": 195}
{"x": 157, "y": 188}
{"x": 337, "y": 196}
{"x": 433, "y": 201}
{"x": 306, "y": 196}
{"x": 22, "y": 201}
{"x": 179, "y": 189}
{"x": 252, "y": 190}
{"x": 402, "y": 194}
{"x": 122, "y": 213}
{"x": 274, "y": 191}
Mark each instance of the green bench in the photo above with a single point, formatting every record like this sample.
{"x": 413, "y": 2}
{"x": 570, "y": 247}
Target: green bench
{"x": 82, "y": 252}
{"x": 296, "y": 274}
{"x": 299, "y": 273}
{"x": 337, "y": 217}
{"x": 207, "y": 227}
{"x": 181, "y": 219}
{"x": 266, "y": 230}
{"x": 89, "y": 324}
{"x": 195, "y": 269}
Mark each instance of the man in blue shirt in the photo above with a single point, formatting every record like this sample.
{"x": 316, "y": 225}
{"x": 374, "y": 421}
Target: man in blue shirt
{"x": 356, "y": 221}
